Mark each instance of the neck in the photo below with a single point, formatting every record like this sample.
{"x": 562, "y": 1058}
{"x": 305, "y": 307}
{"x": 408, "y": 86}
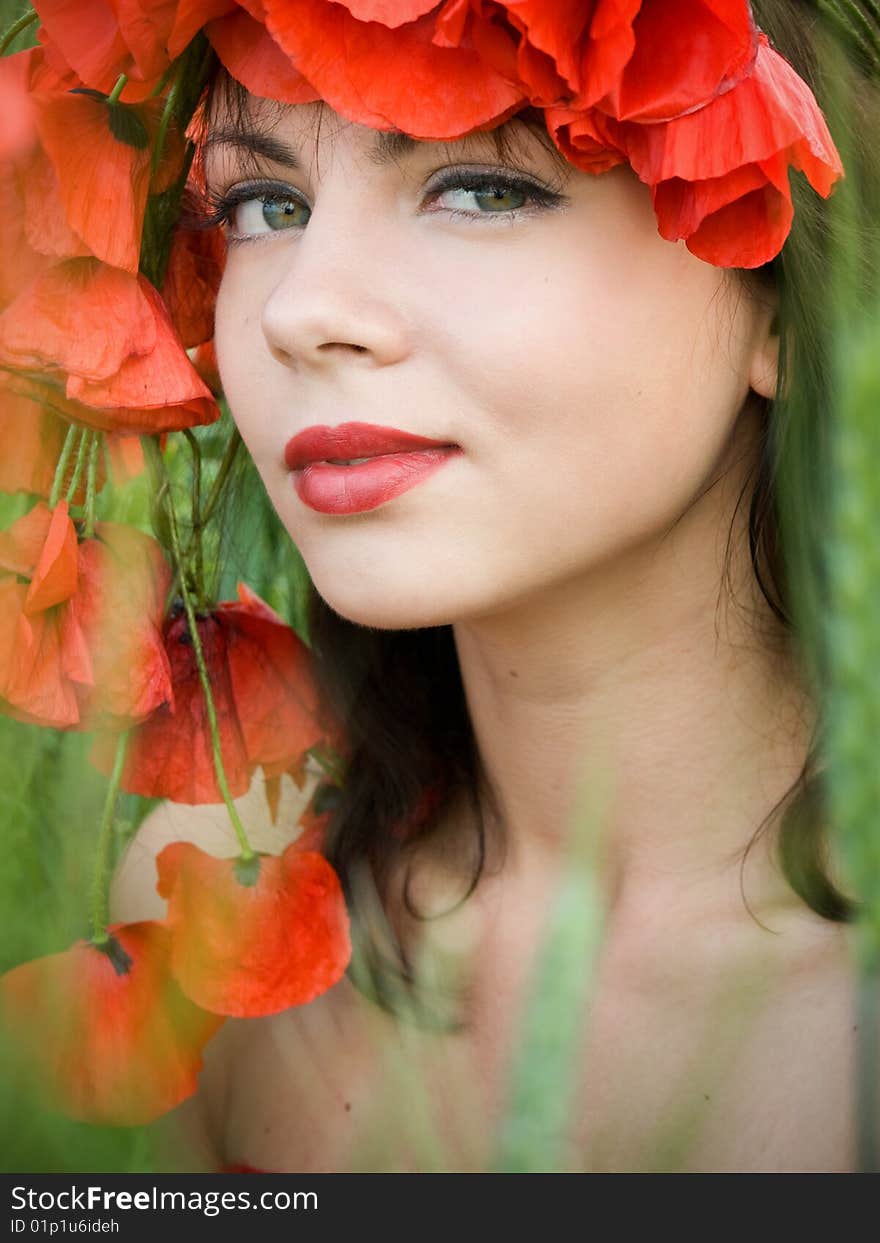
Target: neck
{"x": 661, "y": 689}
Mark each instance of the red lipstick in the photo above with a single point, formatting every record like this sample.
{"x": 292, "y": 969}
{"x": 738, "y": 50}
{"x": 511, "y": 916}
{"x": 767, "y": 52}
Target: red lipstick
{"x": 328, "y": 481}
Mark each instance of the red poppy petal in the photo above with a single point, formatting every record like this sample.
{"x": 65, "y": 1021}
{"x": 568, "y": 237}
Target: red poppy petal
{"x": 190, "y": 17}
{"x": 741, "y": 220}
{"x": 36, "y": 683}
{"x": 55, "y": 575}
{"x": 254, "y": 949}
{"x": 107, "y": 1045}
{"x": 124, "y": 579}
{"x": 22, "y": 544}
{"x": 272, "y": 682}
{"x": 192, "y": 279}
{"x": 445, "y": 92}
{"x": 254, "y": 59}
{"x": 31, "y": 438}
{"x": 94, "y": 47}
{"x": 81, "y": 316}
{"x": 771, "y": 111}
{"x": 170, "y": 755}
{"x": 48, "y": 232}
{"x": 107, "y": 212}
{"x": 686, "y": 52}
{"x": 388, "y": 12}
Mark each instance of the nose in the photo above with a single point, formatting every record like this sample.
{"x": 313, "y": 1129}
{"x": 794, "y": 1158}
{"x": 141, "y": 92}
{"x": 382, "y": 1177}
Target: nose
{"x": 337, "y": 299}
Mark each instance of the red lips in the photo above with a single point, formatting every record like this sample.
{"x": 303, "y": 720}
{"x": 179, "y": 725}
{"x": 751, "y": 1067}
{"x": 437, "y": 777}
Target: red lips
{"x": 350, "y": 440}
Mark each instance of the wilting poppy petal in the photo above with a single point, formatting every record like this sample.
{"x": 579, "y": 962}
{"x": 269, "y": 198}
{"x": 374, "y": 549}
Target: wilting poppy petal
{"x": 276, "y": 697}
{"x": 47, "y": 231}
{"x": 255, "y": 938}
{"x": 111, "y": 333}
{"x": 106, "y": 212}
{"x": 170, "y": 755}
{"x": 20, "y": 264}
{"x": 195, "y": 266}
{"x": 80, "y": 316}
{"x": 55, "y": 575}
{"x": 34, "y": 676}
{"x": 83, "y": 638}
{"x": 107, "y": 1036}
{"x": 31, "y": 438}
{"x": 89, "y": 39}
{"x": 265, "y": 698}
{"x": 22, "y": 542}
{"x": 118, "y": 606}
{"x": 16, "y": 108}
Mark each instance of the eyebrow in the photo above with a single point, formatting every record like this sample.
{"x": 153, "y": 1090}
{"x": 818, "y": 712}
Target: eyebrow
{"x": 388, "y": 145}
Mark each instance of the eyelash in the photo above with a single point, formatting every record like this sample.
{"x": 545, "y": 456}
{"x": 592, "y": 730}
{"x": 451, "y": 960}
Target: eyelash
{"x": 222, "y": 206}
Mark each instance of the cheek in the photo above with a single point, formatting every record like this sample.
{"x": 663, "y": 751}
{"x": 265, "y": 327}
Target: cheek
{"x": 603, "y": 421}
{"x": 243, "y": 358}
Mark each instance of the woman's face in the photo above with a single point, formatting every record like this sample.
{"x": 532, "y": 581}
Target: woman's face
{"x": 589, "y": 372}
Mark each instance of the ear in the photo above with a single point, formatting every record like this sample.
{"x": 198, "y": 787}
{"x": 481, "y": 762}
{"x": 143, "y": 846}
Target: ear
{"x": 764, "y": 370}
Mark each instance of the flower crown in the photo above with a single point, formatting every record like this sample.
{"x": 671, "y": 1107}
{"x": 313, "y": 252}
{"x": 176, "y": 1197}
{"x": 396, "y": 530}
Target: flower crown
{"x": 106, "y": 323}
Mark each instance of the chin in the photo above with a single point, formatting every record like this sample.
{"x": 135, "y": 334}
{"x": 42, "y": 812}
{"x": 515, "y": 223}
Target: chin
{"x": 384, "y": 607}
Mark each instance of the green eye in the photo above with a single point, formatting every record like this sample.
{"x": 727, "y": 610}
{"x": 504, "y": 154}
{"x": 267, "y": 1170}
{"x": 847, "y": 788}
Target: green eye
{"x": 267, "y": 214}
{"x": 499, "y": 199}
{"x": 284, "y": 213}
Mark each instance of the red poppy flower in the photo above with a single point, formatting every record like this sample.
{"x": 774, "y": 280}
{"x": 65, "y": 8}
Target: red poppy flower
{"x": 79, "y": 623}
{"x": 265, "y": 697}
{"x": 254, "y": 59}
{"x": 101, "y": 39}
{"x": 195, "y": 266}
{"x": 109, "y": 335}
{"x": 255, "y": 937}
{"x": 104, "y": 215}
{"x": 120, "y": 599}
{"x": 31, "y": 438}
{"x": 719, "y": 175}
{"x": 42, "y": 656}
{"x": 20, "y": 264}
{"x": 16, "y": 108}
{"x": 105, "y": 1033}
{"x": 391, "y": 78}
{"x": 634, "y": 59}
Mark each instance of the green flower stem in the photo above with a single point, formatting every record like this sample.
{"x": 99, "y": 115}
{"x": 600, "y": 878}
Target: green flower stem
{"x": 220, "y": 478}
{"x": 165, "y": 121}
{"x": 78, "y": 466}
{"x": 92, "y": 484}
{"x": 15, "y": 29}
{"x": 67, "y": 448}
{"x": 121, "y": 83}
{"x": 195, "y": 545}
{"x": 163, "y": 81}
{"x": 100, "y": 916}
{"x": 247, "y": 852}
